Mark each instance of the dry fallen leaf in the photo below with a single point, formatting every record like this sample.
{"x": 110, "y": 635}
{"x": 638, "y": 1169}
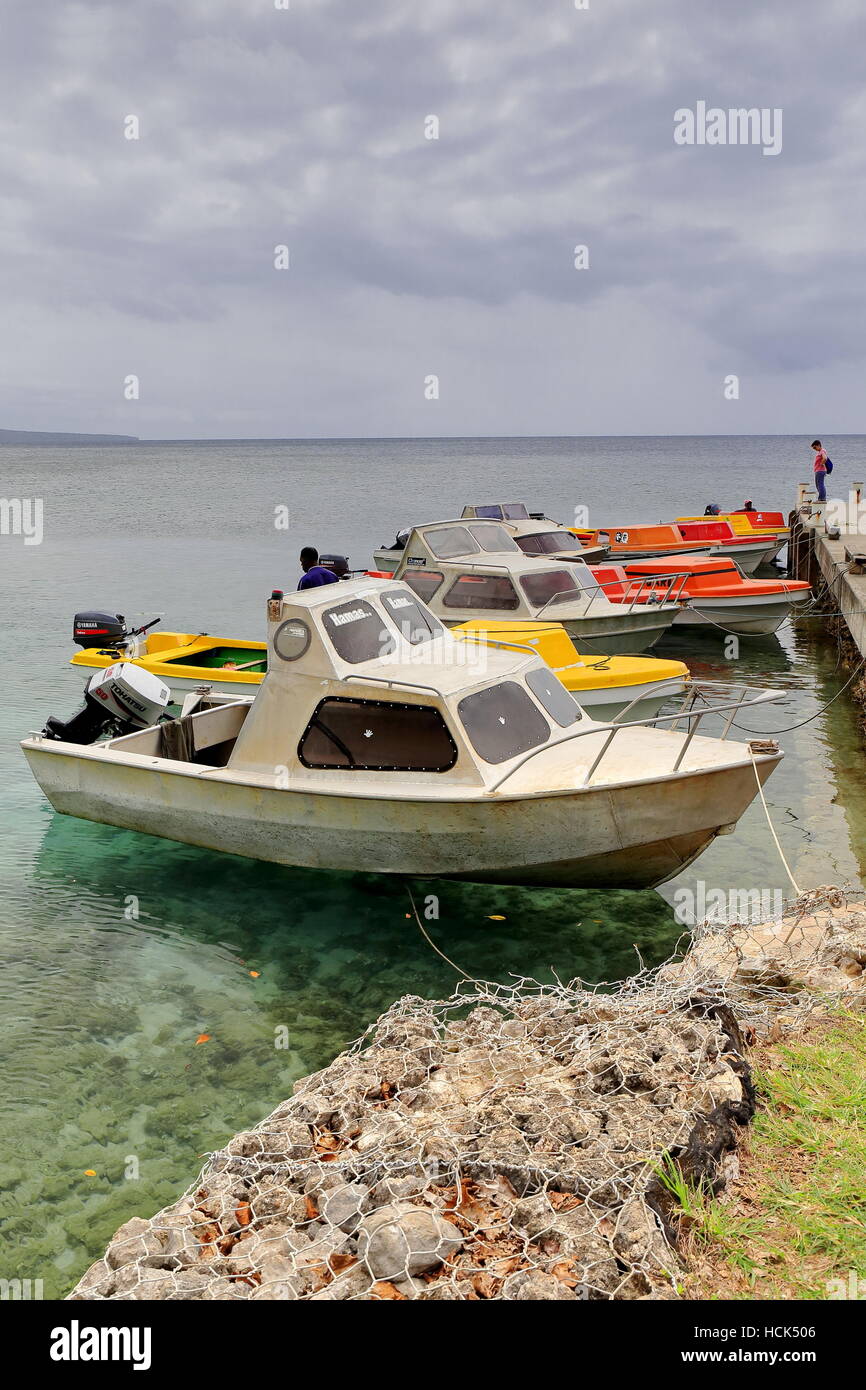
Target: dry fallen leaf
{"x": 382, "y": 1289}
{"x": 485, "y": 1285}
{"x": 243, "y": 1213}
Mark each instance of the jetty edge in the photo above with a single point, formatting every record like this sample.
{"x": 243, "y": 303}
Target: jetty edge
{"x": 827, "y": 547}
{"x": 516, "y": 1143}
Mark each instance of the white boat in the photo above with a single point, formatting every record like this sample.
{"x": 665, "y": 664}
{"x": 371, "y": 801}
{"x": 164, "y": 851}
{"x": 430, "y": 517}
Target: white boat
{"x": 534, "y": 533}
{"x": 373, "y": 744}
{"x": 468, "y": 569}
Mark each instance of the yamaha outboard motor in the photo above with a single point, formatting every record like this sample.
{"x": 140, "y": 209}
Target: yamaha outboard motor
{"x": 117, "y": 701}
{"x": 337, "y": 564}
{"x": 93, "y": 629}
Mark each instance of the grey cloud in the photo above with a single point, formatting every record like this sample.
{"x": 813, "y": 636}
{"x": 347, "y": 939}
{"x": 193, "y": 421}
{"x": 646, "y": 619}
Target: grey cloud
{"x": 306, "y": 127}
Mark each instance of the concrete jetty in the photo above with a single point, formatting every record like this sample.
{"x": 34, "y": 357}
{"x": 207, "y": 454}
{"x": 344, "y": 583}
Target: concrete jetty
{"x": 828, "y": 548}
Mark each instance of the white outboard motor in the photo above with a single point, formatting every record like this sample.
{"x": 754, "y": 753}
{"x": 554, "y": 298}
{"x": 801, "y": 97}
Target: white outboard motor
{"x": 118, "y": 700}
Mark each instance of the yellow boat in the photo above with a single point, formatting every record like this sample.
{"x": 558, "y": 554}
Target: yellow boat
{"x": 603, "y": 685}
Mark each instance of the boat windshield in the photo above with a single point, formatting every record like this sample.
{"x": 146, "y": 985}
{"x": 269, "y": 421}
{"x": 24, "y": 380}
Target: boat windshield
{"x": 550, "y": 692}
{"x": 449, "y": 542}
{"x": 357, "y": 632}
{"x": 555, "y": 586}
{"x": 492, "y": 513}
{"x": 502, "y": 722}
{"x": 548, "y": 543}
{"x": 491, "y": 537}
{"x": 515, "y": 511}
{"x": 416, "y": 624}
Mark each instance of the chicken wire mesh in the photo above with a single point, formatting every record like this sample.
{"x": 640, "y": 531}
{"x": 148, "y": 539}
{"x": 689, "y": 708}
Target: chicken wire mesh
{"x": 509, "y": 1142}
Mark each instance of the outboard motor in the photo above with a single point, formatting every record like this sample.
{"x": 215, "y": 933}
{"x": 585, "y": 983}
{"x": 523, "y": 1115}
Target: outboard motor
{"x": 117, "y": 701}
{"x": 337, "y": 564}
{"x": 93, "y": 629}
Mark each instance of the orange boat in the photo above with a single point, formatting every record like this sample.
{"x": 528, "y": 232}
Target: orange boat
{"x": 756, "y": 524}
{"x": 715, "y": 591}
{"x": 706, "y": 536}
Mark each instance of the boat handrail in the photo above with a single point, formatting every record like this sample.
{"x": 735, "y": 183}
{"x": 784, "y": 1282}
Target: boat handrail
{"x": 759, "y": 697}
{"x": 631, "y": 596}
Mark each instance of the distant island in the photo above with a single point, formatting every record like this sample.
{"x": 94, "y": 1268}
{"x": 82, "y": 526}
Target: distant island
{"x": 47, "y": 437}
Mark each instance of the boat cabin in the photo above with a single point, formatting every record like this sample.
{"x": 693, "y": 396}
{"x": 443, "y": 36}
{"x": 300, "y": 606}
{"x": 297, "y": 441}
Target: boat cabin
{"x": 475, "y": 569}
{"x": 365, "y": 682}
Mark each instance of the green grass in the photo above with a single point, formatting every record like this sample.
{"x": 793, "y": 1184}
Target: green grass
{"x": 798, "y": 1217}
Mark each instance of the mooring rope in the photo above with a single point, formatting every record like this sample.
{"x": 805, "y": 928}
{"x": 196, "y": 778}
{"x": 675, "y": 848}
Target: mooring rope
{"x": 770, "y": 824}
{"x": 431, "y": 942}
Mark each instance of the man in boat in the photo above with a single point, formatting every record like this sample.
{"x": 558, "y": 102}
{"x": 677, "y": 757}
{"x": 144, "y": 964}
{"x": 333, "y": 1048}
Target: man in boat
{"x": 314, "y": 573}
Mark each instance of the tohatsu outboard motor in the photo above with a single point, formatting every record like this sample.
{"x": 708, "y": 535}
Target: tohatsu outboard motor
{"x": 118, "y": 700}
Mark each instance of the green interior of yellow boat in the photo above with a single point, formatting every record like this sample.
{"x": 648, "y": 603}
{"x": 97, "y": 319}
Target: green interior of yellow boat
{"x": 219, "y": 657}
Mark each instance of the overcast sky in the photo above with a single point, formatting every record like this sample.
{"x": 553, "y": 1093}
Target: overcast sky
{"x": 412, "y": 257}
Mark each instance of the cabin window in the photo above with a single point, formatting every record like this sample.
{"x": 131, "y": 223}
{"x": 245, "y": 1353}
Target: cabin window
{"x": 491, "y": 513}
{"x": 550, "y": 692}
{"x": 450, "y": 541}
{"x": 491, "y": 537}
{"x": 377, "y": 736}
{"x": 490, "y": 591}
{"x": 424, "y": 582}
{"x": 502, "y": 722}
{"x": 416, "y": 624}
{"x": 548, "y": 543}
{"x": 515, "y": 511}
{"x": 358, "y": 632}
{"x": 558, "y": 586}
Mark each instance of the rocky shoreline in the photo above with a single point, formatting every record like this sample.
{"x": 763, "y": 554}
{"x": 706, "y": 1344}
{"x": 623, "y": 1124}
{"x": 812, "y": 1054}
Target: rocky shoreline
{"x": 506, "y": 1143}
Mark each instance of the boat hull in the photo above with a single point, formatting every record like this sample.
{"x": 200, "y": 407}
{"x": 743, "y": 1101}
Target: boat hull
{"x": 632, "y": 835}
{"x": 748, "y": 617}
{"x": 621, "y": 634}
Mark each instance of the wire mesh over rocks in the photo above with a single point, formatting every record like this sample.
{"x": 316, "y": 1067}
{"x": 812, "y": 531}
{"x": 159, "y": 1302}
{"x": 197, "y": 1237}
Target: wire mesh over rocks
{"x": 503, "y": 1143}
{"x": 510, "y": 1142}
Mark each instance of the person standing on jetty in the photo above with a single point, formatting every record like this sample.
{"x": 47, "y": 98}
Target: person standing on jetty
{"x": 314, "y": 573}
{"x": 823, "y": 466}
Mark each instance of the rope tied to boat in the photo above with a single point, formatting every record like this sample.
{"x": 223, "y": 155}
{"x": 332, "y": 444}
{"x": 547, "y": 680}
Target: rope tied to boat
{"x": 766, "y": 746}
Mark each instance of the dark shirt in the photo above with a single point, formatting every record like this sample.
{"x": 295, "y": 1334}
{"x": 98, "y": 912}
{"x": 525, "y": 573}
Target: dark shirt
{"x": 315, "y": 576}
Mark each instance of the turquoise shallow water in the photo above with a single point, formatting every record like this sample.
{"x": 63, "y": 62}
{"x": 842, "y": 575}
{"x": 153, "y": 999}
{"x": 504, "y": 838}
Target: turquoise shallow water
{"x": 120, "y": 950}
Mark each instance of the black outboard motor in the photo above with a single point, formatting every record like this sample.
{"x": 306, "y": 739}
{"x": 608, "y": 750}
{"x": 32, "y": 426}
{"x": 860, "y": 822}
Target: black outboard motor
{"x": 94, "y": 629}
{"x": 337, "y": 564}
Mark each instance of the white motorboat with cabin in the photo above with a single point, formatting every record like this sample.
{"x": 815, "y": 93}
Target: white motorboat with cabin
{"x": 468, "y": 569}
{"x": 535, "y": 534}
{"x": 374, "y": 744}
